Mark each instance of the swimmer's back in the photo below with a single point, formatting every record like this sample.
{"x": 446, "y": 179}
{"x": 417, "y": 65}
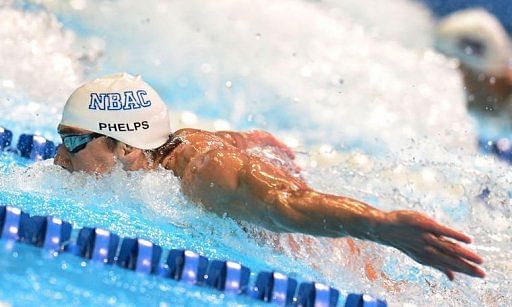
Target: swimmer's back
{"x": 194, "y": 142}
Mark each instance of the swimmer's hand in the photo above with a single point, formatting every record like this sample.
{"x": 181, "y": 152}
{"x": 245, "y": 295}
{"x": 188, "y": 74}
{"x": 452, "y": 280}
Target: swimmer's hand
{"x": 428, "y": 242}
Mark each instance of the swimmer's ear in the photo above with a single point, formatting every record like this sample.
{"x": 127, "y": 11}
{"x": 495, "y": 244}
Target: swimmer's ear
{"x": 123, "y": 149}
{"x": 132, "y": 158}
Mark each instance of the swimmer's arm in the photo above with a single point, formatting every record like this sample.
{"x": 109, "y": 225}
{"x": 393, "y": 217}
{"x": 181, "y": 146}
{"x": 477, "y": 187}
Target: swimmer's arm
{"x": 228, "y": 181}
{"x": 413, "y": 233}
{"x": 223, "y": 178}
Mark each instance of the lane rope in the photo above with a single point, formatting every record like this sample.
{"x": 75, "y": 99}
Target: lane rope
{"x": 140, "y": 255}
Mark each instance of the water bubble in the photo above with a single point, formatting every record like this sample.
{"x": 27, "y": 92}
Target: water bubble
{"x": 182, "y": 81}
{"x": 8, "y": 83}
{"x": 221, "y": 124}
{"x": 306, "y": 71}
{"x": 78, "y": 4}
{"x": 206, "y": 68}
{"x": 112, "y": 300}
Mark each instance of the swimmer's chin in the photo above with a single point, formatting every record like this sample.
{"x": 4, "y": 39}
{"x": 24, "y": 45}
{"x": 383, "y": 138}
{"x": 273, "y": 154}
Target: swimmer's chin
{"x": 117, "y": 168}
{"x": 98, "y": 171}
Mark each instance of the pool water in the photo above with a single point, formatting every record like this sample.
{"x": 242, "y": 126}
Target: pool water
{"x": 373, "y": 112}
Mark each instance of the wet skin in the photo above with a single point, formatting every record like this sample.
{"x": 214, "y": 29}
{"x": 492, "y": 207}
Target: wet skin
{"x": 218, "y": 172}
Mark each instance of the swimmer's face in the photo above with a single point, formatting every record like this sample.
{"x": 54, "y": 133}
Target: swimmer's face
{"x": 98, "y": 156}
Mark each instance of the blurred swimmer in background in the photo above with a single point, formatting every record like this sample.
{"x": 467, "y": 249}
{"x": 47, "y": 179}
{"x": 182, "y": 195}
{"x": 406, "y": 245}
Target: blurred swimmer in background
{"x": 484, "y": 50}
{"x": 120, "y": 119}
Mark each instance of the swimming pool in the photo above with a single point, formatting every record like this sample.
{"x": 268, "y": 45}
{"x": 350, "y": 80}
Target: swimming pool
{"x": 385, "y": 115}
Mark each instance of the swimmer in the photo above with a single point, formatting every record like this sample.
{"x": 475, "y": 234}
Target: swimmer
{"x": 483, "y": 48}
{"x": 121, "y": 119}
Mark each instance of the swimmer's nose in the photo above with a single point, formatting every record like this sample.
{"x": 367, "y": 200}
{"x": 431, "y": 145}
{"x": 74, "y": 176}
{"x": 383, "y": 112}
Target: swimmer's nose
{"x": 62, "y": 158}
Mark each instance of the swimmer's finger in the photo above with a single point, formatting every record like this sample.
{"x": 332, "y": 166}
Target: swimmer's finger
{"x": 454, "y": 249}
{"x": 449, "y": 262}
{"x": 469, "y": 269}
{"x": 450, "y": 274}
{"x": 442, "y": 230}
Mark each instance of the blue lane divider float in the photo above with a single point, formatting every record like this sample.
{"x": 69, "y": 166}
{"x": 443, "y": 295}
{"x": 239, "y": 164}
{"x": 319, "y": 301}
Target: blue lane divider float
{"x": 5, "y": 138}
{"x": 317, "y": 294}
{"x": 10, "y": 219}
{"x": 363, "y": 300}
{"x": 186, "y": 266}
{"x": 30, "y": 146}
{"x": 139, "y": 255}
{"x": 274, "y": 287}
{"x": 35, "y": 147}
{"x": 96, "y": 244}
{"x": 142, "y": 256}
{"x": 228, "y": 276}
{"x": 501, "y": 148}
{"x": 45, "y": 231}
{"x": 102, "y": 246}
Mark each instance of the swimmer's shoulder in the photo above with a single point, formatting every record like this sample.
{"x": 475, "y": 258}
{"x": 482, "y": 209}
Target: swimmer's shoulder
{"x": 184, "y": 132}
{"x": 190, "y": 143}
{"x": 197, "y": 136}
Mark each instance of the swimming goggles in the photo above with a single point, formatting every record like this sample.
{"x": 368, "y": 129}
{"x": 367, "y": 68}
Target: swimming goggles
{"x": 76, "y": 142}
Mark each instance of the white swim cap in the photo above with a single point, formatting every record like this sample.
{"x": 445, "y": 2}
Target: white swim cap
{"x": 120, "y": 106}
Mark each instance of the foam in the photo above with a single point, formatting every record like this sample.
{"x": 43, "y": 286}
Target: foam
{"x": 37, "y": 56}
{"x": 39, "y": 66}
{"x": 281, "y": 63}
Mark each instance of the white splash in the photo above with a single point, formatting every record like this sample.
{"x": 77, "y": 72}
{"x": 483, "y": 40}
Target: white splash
{"x": 309, "y": 68}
